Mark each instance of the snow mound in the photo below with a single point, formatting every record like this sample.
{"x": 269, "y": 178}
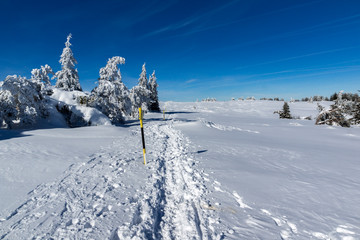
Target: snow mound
{"x": 77, "y": 114}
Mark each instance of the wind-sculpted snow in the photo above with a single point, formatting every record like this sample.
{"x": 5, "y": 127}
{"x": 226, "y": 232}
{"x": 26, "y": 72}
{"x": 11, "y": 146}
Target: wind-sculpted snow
{"x": 224, "y": 128}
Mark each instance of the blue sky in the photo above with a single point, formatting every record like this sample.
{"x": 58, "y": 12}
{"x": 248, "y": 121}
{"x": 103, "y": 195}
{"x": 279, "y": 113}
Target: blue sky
{"x": 199, "y": 49}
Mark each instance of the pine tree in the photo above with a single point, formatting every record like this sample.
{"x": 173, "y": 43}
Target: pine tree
{"x": 111, "y": 97}
{"x": 8, "y": 111}
{"x": 154, "y": 101}
{"x": 356, "y": 114}
{"x": 333, "y": 97}
{"x": 68, "y": 77}
{"x": 285, "y": 113}
{"x": 140, "y": 95}
{"x": 143, "y": 81}
{"x": 334, "y": 116}
{"x": 21, "y": 102}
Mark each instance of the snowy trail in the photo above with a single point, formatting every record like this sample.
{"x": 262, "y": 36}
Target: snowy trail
{"x": 105, "y": 198}
{"x": 172, "y": 208}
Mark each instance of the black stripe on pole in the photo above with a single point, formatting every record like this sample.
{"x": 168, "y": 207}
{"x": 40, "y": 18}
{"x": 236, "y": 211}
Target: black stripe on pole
{"x": 142, "y": 136}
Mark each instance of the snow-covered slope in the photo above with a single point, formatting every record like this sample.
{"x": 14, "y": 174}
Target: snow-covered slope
{"x": 216, "y": 170}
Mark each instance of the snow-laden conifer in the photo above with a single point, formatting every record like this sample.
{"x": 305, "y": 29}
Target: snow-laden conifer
{"x": 154, "y": 100}
{"x": 7, "y": 109}
{"x": 143, "y": 81}
{"x": 356, "y": 114}
{"x": 22, "y": 102}
{"x": 333, "y": 116}
{"x": 111, "y": 96}
{"x": 67, "y": 77}
{"x": 140, "y": 95}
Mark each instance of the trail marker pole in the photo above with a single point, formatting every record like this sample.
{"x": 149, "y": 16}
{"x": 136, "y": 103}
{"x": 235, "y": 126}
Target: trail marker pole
{"x": 142, "y": 134}
{"x": 164, "y": 114}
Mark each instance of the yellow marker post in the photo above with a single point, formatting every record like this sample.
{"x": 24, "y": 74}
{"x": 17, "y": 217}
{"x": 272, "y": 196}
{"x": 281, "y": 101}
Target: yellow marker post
{"x": 164, "y": 114}
{"x": 142, "y": 134}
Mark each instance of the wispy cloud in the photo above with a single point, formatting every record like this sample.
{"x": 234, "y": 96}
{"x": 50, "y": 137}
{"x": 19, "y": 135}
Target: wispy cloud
{"x": 303, "y": 31}
{"x": 191, "y": 81}
{"x": 171, "y": 27}
{"x": 299, "y": 56}
{"x": 210, "y": 27}
{"x": 201, "y": 28}
{"x": 188, "y": 21}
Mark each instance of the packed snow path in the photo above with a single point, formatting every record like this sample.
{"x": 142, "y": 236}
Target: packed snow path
{"x": 105, "y": 198}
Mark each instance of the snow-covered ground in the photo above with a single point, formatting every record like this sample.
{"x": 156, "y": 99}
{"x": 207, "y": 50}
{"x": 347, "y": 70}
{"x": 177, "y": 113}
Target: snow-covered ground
{"x": 216, "y": 170}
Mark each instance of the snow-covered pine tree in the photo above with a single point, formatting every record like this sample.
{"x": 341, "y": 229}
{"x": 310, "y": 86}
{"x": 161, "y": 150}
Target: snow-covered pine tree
{"x": 22, "y": 102}
{"x": 154, "y": 100}
{"x": 143, "y": 81}
{"x": 7, "y": 109}
{"x": 334, "y": 117}
{"x": 356, "y": 114}
{"x": 339, "y": 100}
{"x": 68, "y": 77}
{"x": 111, "y": 97}
{"x": 140, "y": 95}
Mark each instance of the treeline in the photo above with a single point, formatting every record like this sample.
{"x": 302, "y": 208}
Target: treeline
{"x": 344, "y": 112}
{"x": 345, "y": 96}
{"x": 24, "y": 101}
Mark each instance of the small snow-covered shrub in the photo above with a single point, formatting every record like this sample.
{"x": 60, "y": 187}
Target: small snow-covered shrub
{"x": 333, "y": 117}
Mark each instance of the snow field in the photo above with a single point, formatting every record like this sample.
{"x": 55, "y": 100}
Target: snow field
{"x": 219, "y": 170}
{"x": 299, "y": 180}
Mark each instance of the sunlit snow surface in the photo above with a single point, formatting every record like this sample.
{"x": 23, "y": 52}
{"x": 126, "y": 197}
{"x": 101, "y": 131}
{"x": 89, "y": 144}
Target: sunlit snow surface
{"x": 216, "y": 170}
